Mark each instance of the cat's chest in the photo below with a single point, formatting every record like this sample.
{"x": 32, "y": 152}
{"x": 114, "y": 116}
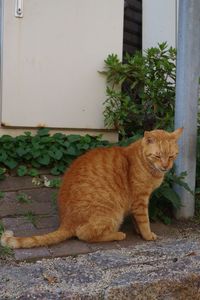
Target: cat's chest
{"x": 156, "y": 183}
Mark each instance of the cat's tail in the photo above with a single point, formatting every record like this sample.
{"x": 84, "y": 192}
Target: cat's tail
{"x": 59, "y": 235}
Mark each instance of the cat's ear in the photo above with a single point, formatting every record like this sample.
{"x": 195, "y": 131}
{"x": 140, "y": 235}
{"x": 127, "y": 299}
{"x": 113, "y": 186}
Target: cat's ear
{"x": 149, "y": 139}
{"x": 177, "y": 133}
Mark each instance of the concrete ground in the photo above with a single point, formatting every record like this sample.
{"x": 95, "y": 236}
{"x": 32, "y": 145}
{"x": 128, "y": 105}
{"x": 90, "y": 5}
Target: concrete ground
{"x": 131, "y": 269}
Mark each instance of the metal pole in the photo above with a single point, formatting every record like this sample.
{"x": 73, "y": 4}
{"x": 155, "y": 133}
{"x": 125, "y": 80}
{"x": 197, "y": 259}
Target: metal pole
{"x": 188, "y": 71}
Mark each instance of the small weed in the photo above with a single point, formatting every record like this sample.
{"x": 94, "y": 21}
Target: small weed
{"x": 1, "y": 229}
{"x": 2, "y": 173}
{"x": 5, "y": 251}
{"x": 2, "y": 194}
{"x": 52, "y": 183}
{"x": 31, "y": 217}
{"x": 23, "y": 198}
{"x": 45, "y": 181}
{"x": 54, "y": 199}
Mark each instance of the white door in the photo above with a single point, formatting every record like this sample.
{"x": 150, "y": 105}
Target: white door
{"x": 159, "y": 22}
{"x": 51, "y": 58}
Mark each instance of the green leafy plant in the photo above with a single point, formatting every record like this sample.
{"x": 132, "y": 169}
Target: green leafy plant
{"x": 27, "y": 153}
{"x": 165, "y": 200}
{"x": 141, "y": 90}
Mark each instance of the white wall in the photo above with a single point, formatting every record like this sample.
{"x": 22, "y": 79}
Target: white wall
{"x": 159, "y": 22}
{"x": 51, "y": 58}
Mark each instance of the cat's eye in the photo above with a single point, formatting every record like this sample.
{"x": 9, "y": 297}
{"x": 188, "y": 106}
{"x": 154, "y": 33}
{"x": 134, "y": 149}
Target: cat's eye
{"x": 157, "y": 156}
{"x": 171, "y": 157}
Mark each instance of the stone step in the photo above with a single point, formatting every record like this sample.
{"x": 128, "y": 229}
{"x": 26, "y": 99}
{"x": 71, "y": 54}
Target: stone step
{"x": 168, "y": 270}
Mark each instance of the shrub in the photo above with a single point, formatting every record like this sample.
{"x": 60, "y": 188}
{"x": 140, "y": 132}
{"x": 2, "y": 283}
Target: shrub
{"x": 141, "y": 91}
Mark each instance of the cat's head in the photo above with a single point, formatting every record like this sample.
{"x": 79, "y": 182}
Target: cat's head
{"x": 160, "y": 148}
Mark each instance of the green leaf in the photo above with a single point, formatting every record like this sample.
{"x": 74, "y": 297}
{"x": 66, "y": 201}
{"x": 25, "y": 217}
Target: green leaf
{"x": 43, "y": 132}
{"x": 3, "y": 155}
{"x": 6, "y": 139}
{"x": 33, "y": 172}
{"x": 35, "y": 152}
{"x": 35, "y": 164}
{"x": 72, "y": 151}
{"x": 58, "y": 169}
{"x": 56, "y": 154}
{"x": 55, "y": 183}
{"x": 44, "y": 160}
{"x": 11, "y": 163}
{"x": 21, "y": 151}
{"x": 2, "y": 171}
{"x": 172, "y": 196}
{"x": 22, "y": 170}
{"x": 45, "y": 140}
{"x": 73, "y": 138}
{"x": 55, "y": 171}
{"x": 27, "y": 133}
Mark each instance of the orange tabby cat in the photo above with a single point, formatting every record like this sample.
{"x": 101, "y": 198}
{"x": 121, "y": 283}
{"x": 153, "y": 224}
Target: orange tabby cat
{"x": 106, "y": 184}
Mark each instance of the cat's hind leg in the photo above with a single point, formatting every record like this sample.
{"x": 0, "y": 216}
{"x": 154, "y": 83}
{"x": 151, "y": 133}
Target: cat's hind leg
{"x": 109, "y": 237}
{"x": 100, "y": 230}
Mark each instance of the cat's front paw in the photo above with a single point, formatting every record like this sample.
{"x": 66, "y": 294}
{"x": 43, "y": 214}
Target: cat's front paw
{"x": 150, "y": 237}
{"x": 154, "y": 236}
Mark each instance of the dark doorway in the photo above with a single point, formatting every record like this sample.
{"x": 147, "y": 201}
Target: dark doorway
{"x": 132, "y": 26}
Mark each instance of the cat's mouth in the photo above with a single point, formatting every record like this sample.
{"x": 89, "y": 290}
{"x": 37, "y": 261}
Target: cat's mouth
{"x": 158, "y": 168}
{"x": 164, "y": 170}
{"x": 161, "y": 169}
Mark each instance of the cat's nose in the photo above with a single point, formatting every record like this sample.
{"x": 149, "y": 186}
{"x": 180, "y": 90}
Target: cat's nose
{"x": 164, "y": 164}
